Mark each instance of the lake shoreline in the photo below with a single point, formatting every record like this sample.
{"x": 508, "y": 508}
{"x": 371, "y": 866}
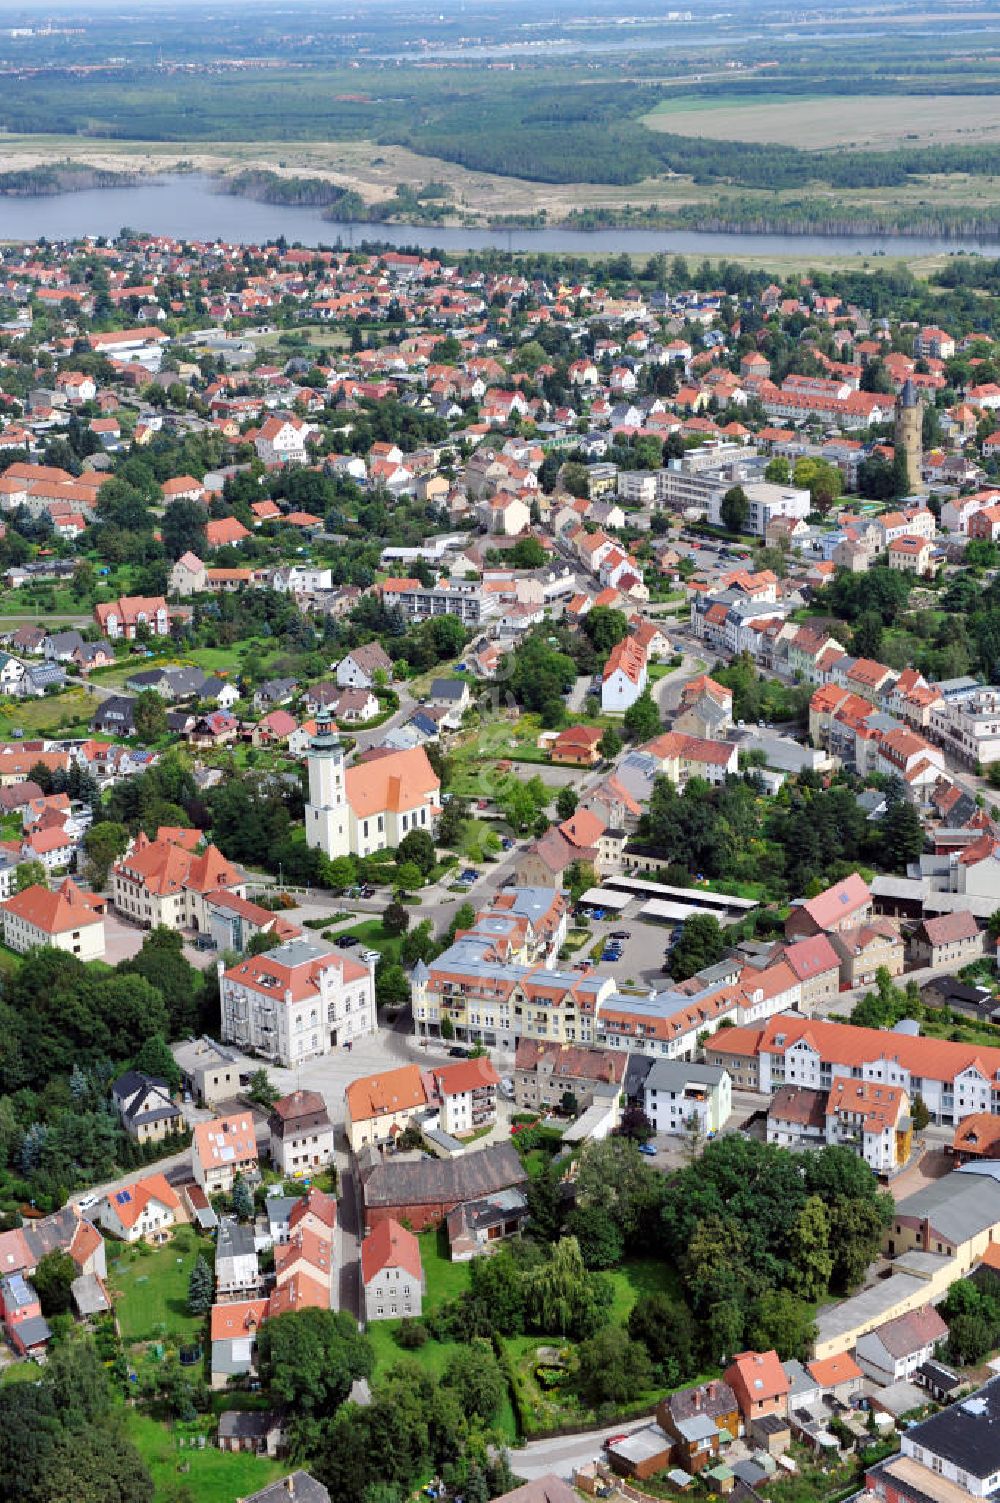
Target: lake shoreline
{"x": 200, "y": 205}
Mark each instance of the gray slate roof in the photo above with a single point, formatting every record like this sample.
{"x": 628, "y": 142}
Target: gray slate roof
{"x": 400, "y": 1182}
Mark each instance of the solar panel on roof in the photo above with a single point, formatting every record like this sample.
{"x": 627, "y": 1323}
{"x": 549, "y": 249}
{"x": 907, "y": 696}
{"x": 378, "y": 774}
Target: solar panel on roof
{"x": 123, "y": 1197}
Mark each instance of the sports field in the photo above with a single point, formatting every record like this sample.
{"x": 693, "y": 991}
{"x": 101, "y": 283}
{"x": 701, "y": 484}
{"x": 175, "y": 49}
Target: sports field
{"x": 869, "y": 122}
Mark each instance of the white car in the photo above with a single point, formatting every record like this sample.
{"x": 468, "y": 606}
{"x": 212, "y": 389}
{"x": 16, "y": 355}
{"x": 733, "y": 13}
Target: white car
{"x": 87, "y": 1203}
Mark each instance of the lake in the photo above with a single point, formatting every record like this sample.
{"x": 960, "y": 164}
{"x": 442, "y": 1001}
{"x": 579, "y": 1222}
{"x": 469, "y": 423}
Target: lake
{"x": 187, "y": 206}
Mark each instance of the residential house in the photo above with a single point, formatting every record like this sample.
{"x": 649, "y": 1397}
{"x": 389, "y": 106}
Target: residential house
{"x": 950, "y": 939}
{"x": 301, "y": 1133}
{"x": 392, "y": 1274}
{"x": 864, "y": 949}
{"x": 892, "y": 1352}
{"x": 760, "y": 1385}
{"x": 842, "y": 906}
{"x": 234, "y": 1329}
{"x": 21, "y": 1313}
{"x": 282, "y": 440}
{"x": 624, "y": 677}
{"x": 363, "y": 667}
{"x": 130, "y": 615}
{"x": 223, "y": 1148}
{"x": 379, "y": 1107}
{"x": 577, "y": 746}
{"x": 147, "y": 1209}
{"x": 144, "y": 1104}
{"x": 237, "y": 1274}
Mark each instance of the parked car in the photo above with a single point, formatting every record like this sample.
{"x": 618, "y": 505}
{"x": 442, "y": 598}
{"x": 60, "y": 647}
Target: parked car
{"x": 620, "y": 934}
{"x": 348, "y": 942}
{"x": 482, "y": 803}
{"x": 597, "y": 914}
{"x": 649, "y": 1149}
{"x": 468, "y": 875}
{"x": 459, "y": 1051}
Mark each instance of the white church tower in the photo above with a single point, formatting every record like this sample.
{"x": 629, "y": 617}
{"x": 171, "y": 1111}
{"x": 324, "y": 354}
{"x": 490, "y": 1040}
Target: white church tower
{"x": 328, "y": 820}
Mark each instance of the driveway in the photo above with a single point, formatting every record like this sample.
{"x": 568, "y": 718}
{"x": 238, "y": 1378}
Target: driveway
{"x": 666, "y": 691}
{"x": 122, "y": 940}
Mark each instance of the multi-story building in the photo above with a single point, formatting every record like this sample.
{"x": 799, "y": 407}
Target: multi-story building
{"x": 462, "y": 598}
{"x": 767, "y": 501}
{"x": 465, "y": 1094}
{"x": 544, "y": 1073}
{"x": 301, "y": 1133}
{"x": 679, "y": 1097}
{"x": 968, "y": 726}
{"x": 297, "y": 1001}
{"x": 492, "y": 1002}
{"x": 66, "y": 919}
{"x": 460, "y": 1098}
{"x": 954, "y": 1080}
{"x": 165, "y": 882}
{"x": 872, "y": 1119}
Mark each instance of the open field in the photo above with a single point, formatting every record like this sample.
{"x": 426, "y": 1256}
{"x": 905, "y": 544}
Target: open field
{"x": 860, "y": 121}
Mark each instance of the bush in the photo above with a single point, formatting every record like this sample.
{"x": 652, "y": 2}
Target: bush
{"x": 412, "y": 1335}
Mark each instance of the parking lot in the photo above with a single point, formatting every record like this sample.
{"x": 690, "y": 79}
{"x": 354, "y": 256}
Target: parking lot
{"x": 642, "y": 952}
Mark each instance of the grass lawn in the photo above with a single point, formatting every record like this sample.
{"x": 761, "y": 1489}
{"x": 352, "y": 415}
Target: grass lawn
{"x": 444, "y": 1280}
{"x": 635, "y": 1278}
{"x": 66, "y": 711}
{"x": 20, "y": 1372}
{"x": 373, "y": 936}
{"x": 211, "y": 1476}
{"x": 151, "y": 1289}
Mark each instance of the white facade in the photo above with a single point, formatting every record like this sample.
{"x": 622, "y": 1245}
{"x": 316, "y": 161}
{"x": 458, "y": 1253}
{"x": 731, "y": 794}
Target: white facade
{"x": 619, "y": 690}
{"x": 678, "y": 1096}
{"x": 86, "y": 942}
{"x": 154, "y": 1221}
{"x": 335, "y": 826}
{"x": 297, "y": 1001}
{"x": 969, "y": 727}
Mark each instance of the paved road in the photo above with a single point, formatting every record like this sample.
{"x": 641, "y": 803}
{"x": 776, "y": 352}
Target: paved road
{"x": 578, "y": 693}
{"x": 367, "y": 739}
{"x": 667, "y": 691}
{"x": 348, "y": 1240}
{"x": 562, "y": 1454}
